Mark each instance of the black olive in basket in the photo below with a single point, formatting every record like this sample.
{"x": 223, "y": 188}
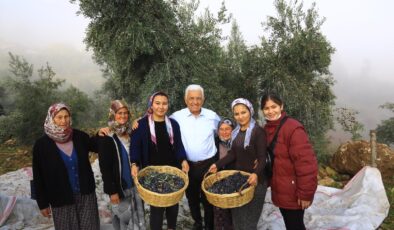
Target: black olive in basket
{"x": 161, "y": 182}
{"x": 229, "y": 184}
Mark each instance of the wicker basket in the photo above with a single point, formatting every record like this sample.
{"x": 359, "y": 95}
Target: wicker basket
{"x": 232, "y": 200}
{"x": 158, "y": 199}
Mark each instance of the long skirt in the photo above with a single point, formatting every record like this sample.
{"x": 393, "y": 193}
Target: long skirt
{"x": 82, "y": 215}
{"x": 246, "y": 217}
{"x": 129, "y": 213}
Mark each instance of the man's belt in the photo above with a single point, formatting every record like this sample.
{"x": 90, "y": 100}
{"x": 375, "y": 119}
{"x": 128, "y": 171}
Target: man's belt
{"x": 202, "y": 162}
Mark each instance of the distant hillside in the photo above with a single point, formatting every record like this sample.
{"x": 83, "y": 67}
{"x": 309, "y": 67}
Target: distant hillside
{"x": 69, "y": 63}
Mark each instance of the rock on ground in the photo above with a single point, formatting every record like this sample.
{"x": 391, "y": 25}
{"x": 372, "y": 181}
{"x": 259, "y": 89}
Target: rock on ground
{"x": 354, "y": 155}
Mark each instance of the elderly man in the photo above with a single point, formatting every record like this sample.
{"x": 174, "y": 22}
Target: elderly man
{"x": 198, "y": 127}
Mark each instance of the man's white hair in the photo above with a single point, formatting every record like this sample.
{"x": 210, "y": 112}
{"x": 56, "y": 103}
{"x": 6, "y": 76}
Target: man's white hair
{"x": 194, "y": 87}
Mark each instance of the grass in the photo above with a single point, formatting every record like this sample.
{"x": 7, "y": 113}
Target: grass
{"x": 388, "y": 223}
{"x": 13, "y": 158}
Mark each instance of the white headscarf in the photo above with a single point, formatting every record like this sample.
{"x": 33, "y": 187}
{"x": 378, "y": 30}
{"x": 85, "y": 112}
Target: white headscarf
{"x": 248, "y": 134}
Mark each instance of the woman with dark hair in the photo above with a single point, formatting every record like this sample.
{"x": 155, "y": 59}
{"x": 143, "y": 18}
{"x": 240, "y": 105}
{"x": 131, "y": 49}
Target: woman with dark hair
{"x": 222, "y": 217}
{"x": 63, "y": 176}
{"x": 126, "y": 205}
{"x": 294, "y": 179}
{"x": 157, "y": 141}
{"x": 248, "y": 145}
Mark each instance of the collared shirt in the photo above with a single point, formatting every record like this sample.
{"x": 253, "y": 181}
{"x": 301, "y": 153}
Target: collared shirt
{"x": 198, "y": 133}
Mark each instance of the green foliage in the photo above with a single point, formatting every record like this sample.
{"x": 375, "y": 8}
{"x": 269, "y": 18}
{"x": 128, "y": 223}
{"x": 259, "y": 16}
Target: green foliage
{"x": 145, "y": 46}
{"x": 347, "y": 119}
{"x": 385, "y": 130}
{"x": 389, "y": 106}
{"x": 2, "y": 96}
{"x": 320, "y": 145}
{"x": 234, "y": 76}
{"x": 5, "y": 101}
{"x": 128, "y": 37}
{"x": 388, "y": 223}
{"x": 81, "y": 107}
{"x": 196, "y": 61}
{"x": 31, "y": 97}
{"x": 8, "y": 125}
{"x": 293, "y": 62}
{"x": 100, "y": 109}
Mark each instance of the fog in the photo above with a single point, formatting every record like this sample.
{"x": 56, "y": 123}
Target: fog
{"x": 363, "y": 65}
{"x": 69, "y": 63}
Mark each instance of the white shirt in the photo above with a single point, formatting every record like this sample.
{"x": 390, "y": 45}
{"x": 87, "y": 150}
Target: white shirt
{"x": 198, "y": 133}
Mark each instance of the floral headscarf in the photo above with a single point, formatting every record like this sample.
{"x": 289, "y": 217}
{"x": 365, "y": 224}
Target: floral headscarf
{"x": 149, "y": 113}
{"x": 55, "y": 132}
{"x": 113, "y": 125}
{"x": 248, "y": 134}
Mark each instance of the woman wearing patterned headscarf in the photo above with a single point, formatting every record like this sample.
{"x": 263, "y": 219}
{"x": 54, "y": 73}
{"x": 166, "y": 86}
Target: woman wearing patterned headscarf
{"x": 248, "y": 144}
{"x": 63, "y": 176}
{"x": 157, "y": 141}
{"x": 126, "y": 204}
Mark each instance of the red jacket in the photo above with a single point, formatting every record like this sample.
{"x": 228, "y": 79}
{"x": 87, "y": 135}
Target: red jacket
{"x": 295, "y": 165}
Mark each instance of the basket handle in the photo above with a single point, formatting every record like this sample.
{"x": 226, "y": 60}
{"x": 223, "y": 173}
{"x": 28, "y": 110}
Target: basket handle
{"x": 206, "y": 174}
{"x": 135, "y": 179}
{"x": 240, "y": 189}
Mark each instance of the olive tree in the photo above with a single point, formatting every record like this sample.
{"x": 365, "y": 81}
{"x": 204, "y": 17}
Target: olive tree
{"x": 293, "y": 61}
{"x": 385, "y": 130}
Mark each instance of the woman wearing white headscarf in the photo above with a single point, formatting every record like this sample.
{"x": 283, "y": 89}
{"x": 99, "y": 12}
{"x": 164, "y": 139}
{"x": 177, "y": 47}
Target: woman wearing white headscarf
{"x": 114, "y": 158}
{"x": 248, "y": 144}
{"x": 63, "y": 176}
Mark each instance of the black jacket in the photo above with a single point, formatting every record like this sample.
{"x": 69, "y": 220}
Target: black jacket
{"x": 110, "y": 164}
{"x": 139, "y": 149}
{"x": 50, "y": 175}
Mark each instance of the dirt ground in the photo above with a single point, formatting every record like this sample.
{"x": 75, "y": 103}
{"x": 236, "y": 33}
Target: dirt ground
{"x": 13, "y": 158}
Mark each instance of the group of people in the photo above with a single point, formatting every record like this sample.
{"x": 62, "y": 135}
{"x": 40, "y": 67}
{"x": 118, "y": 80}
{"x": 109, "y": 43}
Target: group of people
{"x": 193, "y": 139}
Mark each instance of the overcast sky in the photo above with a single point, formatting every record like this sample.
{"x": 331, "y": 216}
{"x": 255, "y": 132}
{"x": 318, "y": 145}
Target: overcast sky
{"x": 360, "y": 30}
